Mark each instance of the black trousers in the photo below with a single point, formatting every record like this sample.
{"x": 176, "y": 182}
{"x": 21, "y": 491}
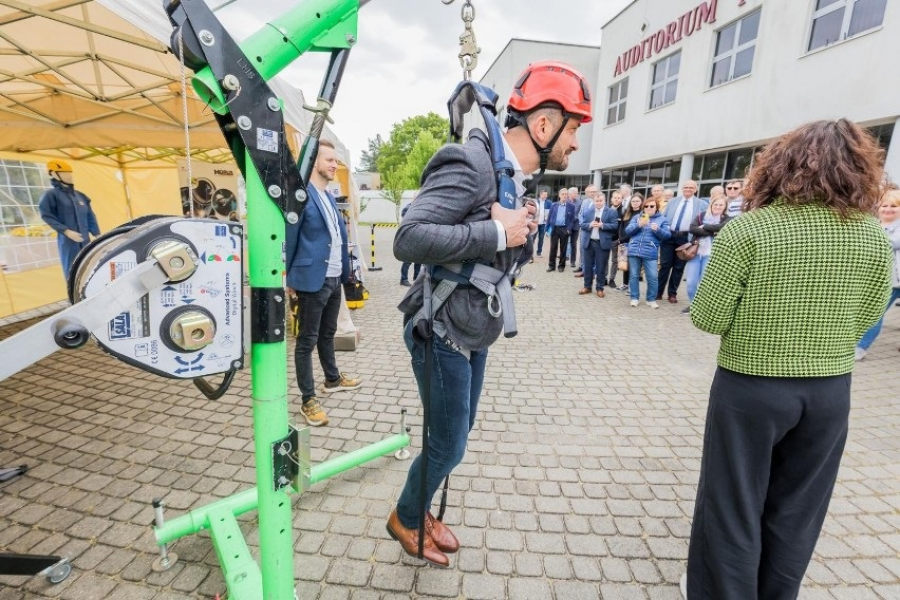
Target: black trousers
{"x": 771, "y": 453}
{"x": 671, "y": 268}
{"x": 559, "y": 243}
{"x": 318, "y": 324}
{"x": 574, "y": 239}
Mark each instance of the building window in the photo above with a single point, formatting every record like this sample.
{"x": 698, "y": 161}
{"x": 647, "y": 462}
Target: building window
{"x": 26, "y": 242}
{"x": 735, "y": 46}
{"x": 836, "y": 20}
{"x": 715, "y": 169}
{"x": 618, "y": 98}
{"x": 665, "y": 81}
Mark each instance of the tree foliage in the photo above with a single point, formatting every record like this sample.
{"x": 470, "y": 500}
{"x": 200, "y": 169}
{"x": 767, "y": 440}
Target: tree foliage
{"x": 404, "y": 156}
{"x": 368, "y": 159}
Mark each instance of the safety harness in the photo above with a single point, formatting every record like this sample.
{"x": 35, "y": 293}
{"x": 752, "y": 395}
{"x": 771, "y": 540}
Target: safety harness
{"x": 442, "y": 280}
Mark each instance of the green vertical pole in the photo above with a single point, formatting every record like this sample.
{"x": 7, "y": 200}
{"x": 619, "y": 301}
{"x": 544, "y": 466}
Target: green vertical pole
{"x": 268, "y": 362}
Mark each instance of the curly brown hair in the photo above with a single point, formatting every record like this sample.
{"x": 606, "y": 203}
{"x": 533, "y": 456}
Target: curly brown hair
{"x": 834, "y": 163}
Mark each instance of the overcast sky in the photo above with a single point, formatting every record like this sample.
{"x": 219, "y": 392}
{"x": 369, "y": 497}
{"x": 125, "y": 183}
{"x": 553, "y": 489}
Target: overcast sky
{"x": 406, "y": 63}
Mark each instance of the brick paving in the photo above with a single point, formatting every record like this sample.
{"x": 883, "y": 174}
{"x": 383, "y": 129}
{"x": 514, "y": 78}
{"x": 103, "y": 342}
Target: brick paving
{"x": 578, "y": 484}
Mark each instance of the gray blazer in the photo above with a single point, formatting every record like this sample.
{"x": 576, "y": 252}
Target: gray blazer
{"x": 674, "y": 205}
{"x": 450, "y": 222}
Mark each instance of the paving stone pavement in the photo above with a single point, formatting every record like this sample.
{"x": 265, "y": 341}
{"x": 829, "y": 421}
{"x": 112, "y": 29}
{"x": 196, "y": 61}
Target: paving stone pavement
{"x": 578, "y": 483}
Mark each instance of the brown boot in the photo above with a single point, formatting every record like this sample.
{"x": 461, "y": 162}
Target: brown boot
{"x": 409, "y": 541}
{"x": 441, "y": 534}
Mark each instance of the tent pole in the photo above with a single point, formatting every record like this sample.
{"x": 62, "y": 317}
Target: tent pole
{"x": 125, "y": 186}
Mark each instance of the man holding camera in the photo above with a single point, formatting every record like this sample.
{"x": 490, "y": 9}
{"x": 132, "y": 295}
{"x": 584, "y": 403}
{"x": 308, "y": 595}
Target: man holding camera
{"x": 598, "y": 225}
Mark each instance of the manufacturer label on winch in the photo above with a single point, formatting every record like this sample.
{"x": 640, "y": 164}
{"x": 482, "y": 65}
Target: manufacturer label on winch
{"x": 267, "y": 140}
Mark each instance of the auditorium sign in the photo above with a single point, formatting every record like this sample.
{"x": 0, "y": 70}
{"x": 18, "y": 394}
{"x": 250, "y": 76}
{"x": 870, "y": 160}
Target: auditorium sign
{"x": 683, "y": 27}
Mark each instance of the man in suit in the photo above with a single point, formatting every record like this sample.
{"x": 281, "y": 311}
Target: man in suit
{"x": 457, "y": 218}
{"x": 574, "y": 240}
{"x": 560, "y": 217}
{"x": 319, "y": 264}
{"x": 598, "y": 225}
{"x": 680, "y": 213}
{"x": 585, "y": 204}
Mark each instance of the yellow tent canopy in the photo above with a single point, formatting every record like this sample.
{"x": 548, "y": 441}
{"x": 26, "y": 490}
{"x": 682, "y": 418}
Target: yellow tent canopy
{"x": 93, "y": 81}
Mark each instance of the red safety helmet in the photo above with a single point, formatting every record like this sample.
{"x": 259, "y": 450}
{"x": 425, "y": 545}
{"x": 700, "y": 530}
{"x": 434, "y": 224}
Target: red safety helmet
{"x": 552, "y": 81}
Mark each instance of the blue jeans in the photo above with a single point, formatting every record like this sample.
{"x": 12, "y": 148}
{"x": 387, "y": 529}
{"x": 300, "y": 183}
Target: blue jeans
{"x": 634, "y": 277}
{"x": 456, "y": 384}
{"x": 693, "y": 271}
{"x": 871, "y": 334}
{"x": 540, "y": 238}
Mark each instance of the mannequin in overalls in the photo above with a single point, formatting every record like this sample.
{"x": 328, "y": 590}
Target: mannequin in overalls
{"x": 69, "y": 212}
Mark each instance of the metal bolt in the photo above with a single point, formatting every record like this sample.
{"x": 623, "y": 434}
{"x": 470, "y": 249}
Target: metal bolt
{"x": 231, "y": 82}
{"x": 279, "y": 299}
{"x": 176, "y": 262}
{"x": 236, "y": 230}
{"x": 245, "y": 123}
{"x": 277, "y": 332}
{"x": 292, "y": 218}
{"x": 300, "y": 195}
{"x": 207, "y": 38}
{"x": 275, "y": 191}
{"x": 351, "y": 39}
{"x": 273, "y": 104}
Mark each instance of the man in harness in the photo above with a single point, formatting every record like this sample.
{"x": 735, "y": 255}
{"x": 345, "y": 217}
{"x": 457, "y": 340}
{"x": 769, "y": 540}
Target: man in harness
{"x": 472, "y": 240}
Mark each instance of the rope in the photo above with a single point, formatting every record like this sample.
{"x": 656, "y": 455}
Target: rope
{"x": 184, "y": 116}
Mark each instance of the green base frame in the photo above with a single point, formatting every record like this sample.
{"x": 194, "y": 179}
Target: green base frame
{"x": 319, "y": 25}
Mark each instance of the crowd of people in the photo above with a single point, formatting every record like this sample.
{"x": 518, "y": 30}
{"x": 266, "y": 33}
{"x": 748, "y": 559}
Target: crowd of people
{"x": 766, "y": 263}
{"x": 659, "y": 240}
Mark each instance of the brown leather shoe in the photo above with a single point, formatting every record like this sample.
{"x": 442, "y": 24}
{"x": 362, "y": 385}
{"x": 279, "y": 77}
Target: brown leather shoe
{"x": 673, "y": 299}
{"x": 601, "y": 294}
{"x": 441, "y": 535}
{"x": 584, "y": 291}
{"x": 409, "y": 541}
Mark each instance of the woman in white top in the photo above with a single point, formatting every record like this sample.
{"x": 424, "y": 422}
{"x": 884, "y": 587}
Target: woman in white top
{"x": 889, "y": 213}
{"x": 703, "y": 230}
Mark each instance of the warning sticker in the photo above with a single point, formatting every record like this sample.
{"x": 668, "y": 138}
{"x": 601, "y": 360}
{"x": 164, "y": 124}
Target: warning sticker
{"x": 267, "y": 140}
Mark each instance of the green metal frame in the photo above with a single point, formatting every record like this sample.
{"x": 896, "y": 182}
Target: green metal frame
{"x": 315, "y": 25}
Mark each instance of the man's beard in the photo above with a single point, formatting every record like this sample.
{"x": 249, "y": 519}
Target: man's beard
{"x": 558, "y": 160}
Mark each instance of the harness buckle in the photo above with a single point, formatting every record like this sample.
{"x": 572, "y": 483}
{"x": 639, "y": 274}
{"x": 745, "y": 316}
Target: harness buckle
{"x": 493, "y": 300}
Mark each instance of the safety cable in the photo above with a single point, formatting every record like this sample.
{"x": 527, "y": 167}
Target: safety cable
{"x": 184, "y": 116}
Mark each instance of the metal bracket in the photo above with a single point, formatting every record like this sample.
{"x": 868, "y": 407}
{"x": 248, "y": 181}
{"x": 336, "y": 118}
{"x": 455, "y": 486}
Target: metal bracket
{"x": 249, "y": 123}
{"x": 267, "y": 314}
{"x": 291, "y": 463}
{"x": 176, "y": 259}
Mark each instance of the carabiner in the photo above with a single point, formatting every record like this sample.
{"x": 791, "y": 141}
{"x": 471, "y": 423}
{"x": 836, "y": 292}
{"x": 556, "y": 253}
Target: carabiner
{"x": 494, "y": 312}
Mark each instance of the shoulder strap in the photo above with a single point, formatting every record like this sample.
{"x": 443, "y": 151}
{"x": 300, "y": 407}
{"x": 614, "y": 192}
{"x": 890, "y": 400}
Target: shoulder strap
{"x": 467, "y": 95}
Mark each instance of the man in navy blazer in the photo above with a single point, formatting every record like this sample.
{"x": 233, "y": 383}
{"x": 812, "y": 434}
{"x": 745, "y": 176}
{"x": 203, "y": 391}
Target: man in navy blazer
{"x": 563, "y": 219}
{"x": 318, "y": 263}
{"x": 680, "y": 213}
{"x": 598, "y": 225}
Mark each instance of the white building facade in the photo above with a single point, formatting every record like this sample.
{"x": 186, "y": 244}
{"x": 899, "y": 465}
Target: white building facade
{"x": 689, "y": 89}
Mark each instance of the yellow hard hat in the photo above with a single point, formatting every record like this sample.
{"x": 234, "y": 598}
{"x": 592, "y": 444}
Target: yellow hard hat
{"x": 59, "y": 166}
